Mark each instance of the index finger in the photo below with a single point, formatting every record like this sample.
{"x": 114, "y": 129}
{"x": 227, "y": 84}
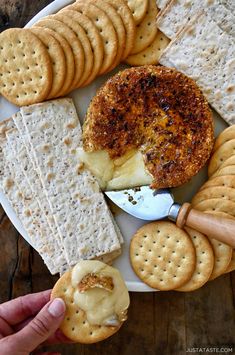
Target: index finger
{"x": 17, "y": 310}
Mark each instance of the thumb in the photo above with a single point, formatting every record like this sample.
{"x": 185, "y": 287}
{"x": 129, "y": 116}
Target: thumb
{"x": 41, "y": 327}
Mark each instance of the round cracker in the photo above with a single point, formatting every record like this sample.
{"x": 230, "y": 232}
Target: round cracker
{"x": 221, "y": 192}
{"x": 222, "y": 253}
{"x": 146, "y": 31}
{"x": 94, "y": 38}
{"x": 229, "y": 161}
{"x": 231, "y": 266}
{"x": 57, "y": 59}
{"x": 75, "y": 325}
{"x": 138, "y": 9}
{"x": 225, "y": 136}
{"x": 228, "y": 181}
{"x": 69, "y": 60}
{"x": 129, "y": 24}
{"x": 225, "y": 151}
{"x": 227, "y": 170}
{"x": 216, "y": 204}
{"x": 81, "y": 35}
{"x": 25, "y": 69}
{"x": 106, "y": 29}
{"x": 204, "y": 261}
{"x": 151, "y": 54}
{"x": 118, "y": 26}
{"x": 69, "y": 35}
{"x": 162, "y": 255}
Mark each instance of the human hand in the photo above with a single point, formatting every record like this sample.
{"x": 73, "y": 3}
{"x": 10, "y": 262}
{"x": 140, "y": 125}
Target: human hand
{"x": 29, "y": 321}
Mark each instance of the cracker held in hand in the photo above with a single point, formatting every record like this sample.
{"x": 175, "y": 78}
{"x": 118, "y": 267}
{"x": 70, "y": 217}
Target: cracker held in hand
{"x": 25, "y": 67}
{"x": 96, "y": 301}
{"x": 162, "y": 255}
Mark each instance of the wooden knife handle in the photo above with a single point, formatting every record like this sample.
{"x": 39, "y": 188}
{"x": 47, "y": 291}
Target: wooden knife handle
{"x": 220, "y": 228}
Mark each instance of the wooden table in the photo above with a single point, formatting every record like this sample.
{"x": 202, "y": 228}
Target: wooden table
{"x": 159, "y": 323}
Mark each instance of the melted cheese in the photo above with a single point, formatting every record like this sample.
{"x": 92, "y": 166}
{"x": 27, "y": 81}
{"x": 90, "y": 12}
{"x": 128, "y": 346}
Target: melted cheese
{"x": 125, "y": 172}
{"x": 102, "y": 307}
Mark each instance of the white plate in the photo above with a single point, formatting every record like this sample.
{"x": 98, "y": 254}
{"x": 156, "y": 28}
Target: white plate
{"x": 127, "y": 223}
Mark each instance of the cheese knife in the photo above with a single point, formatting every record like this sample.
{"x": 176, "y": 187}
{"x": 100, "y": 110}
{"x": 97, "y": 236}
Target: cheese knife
{"x": 150, "y": 205}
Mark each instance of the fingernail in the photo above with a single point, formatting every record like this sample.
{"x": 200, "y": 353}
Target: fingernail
{"x": 57, "y": 307}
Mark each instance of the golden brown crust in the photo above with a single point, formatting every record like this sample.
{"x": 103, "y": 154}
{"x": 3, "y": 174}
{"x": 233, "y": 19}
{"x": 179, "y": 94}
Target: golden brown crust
{"x": 160, "y": 111}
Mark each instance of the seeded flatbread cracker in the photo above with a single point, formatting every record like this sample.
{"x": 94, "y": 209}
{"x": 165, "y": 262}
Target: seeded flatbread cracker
{"x": 224, "y": 152}
{"x": 106, "y": 29}
{"x": 72, "y": 39}
{"x": 151, "y": 54}
{"x": 57, "y": 59}
{"x": 162, "y": 255}
{"x": 205, "y": 53}
{"x": 25, "y": 67}
{"x": 30, "y": 178}
{"x": 100, "y": 281}
{"x": 129, "y": 23}
{"x": 178, "y": 12}
{"x": 161, "y": 3}
{"x": 94, "y": 38}
{"x": 204, "y": 261}
{"x": 20, "y": 203}
{"x": 138, "y": 9}
{"x": 225, "y": 136}
{"x": 73, "y": 192}
{"x": 228, "y": 181}
{"x": 82, "y": 36}
{"x": 146, "y": 31}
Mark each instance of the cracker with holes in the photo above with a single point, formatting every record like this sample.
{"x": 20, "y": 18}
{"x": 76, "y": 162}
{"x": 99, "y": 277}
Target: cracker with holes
{"x": 138, "y": 9}
{"x": 162, "y": 255}
{"x": 72, "y": 39}
{"x": 128, "y": 22}
{"x": 151, "y": 54}
{"x": 228, "y": 181}
{"x": 107, "y": 31}
{"x": 221, "y": 192}
{"x": 225, "y": 136}
{"x": 57, "y": 59}
{"x": 96, "y": 301}
{"x": 117, "y": 24}
{"x": 25, "y": 67}
{"x": 224, "y": 152}
{"x": 146, "y": 31}
{"x": 83, "y": 38}
{"x": 204, "y": 261}
{"x": 94, "y": 38}
{"x": 227, "y": 170}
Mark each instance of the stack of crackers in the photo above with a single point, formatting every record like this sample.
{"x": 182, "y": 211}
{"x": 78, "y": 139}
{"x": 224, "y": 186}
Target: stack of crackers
{"x": 58, "y": 202}
{"x": 68, "y": 50}
{"x": 168, "y": 258}
{"x": 203, "y": 47}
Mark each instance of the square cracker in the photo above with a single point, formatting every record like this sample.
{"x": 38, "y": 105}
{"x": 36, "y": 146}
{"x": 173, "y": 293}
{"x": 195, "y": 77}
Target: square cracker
{"x": 207, "y": 54}
{"x": 78, "y": 205}
{"x": 177, "y": 13}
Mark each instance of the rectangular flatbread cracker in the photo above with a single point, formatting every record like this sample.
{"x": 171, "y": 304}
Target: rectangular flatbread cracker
{"x": 22, "y": 171}
{"x": 179, "y": 12}
{"x": 206, "y": 54}
{"x": 22, "y": 204}
{"x": 78, "y": 205}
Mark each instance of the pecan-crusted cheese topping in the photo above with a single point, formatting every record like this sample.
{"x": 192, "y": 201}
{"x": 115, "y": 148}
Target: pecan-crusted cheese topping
{"x": 100, "y": 292}
{"x": 158, "y": 111}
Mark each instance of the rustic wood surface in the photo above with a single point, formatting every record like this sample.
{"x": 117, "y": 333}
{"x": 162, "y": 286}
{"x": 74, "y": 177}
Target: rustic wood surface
{"x": 159, "y": 323}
